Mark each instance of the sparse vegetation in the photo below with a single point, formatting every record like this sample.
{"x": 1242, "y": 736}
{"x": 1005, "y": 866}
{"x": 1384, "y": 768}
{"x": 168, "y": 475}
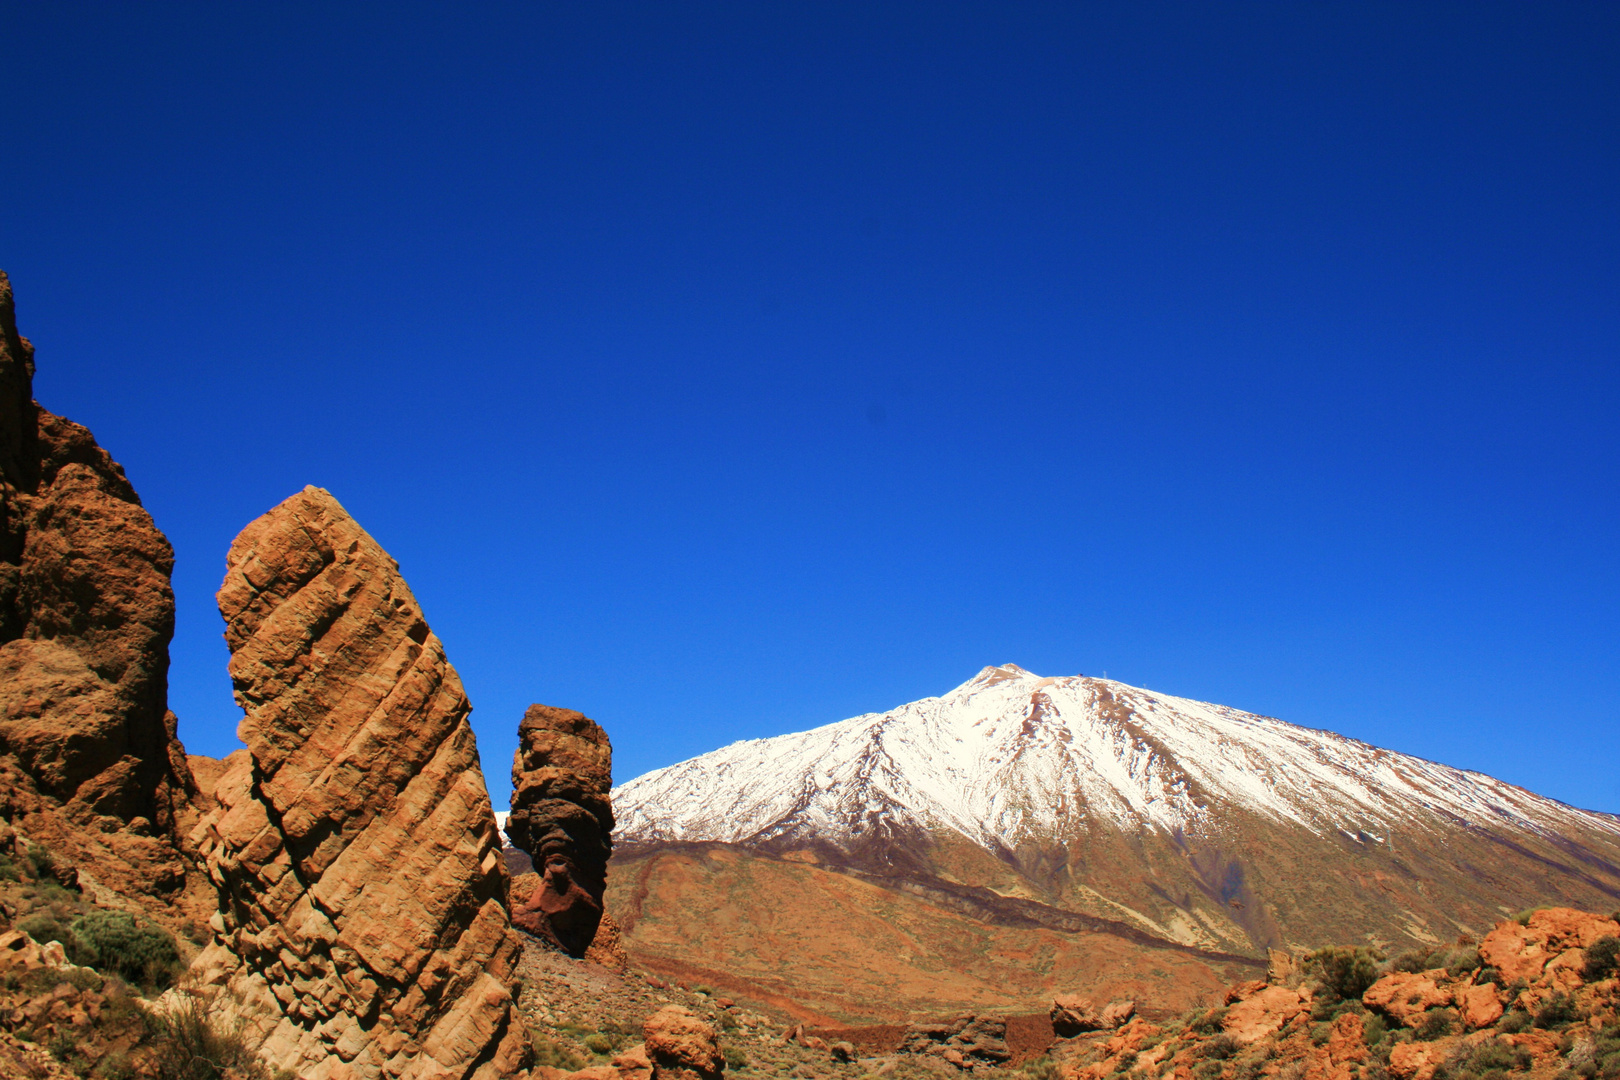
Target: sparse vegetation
{"x": 554, "y": 1054}
{"x": 1556, "y": 1011}
{"x": 187, "y": 1045}
{"x": 1601, "y": 957}
{"x": 1514, "y": 1021}
{"x": 735, "y": 1058}
{"x": 1436, "y": 1024}
{"x": 1344, "y": 972}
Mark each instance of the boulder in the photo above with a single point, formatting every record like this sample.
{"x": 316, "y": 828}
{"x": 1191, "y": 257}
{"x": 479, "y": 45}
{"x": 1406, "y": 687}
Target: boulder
{"x": 89, "y": 762}
{"x": 1263, "y": 1013}
{"x": 1117, "y": 1013}
{"x": 361, "y": 929}
{"x": 563, "y": 818}
{"x": 1073, "y": 1015}
{"x": 1480, "y": 1006}
{"x": 1404, "y": 996}
{"x": 1281, "y": 967}
{"x": 682, "y": 1045}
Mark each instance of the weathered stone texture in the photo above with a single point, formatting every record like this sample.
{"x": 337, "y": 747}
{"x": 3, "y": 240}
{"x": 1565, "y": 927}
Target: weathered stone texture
{"x": 563, "y": 818}
{"x": 362, "y": 930}
{"x": 89, "y": 761}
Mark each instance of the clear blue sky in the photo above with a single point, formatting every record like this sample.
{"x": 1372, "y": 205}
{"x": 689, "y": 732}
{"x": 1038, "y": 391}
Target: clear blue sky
{"x": 725, "y": 370}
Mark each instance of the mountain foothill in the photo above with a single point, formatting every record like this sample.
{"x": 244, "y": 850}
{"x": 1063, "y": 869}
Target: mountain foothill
{"x": 1050, "y": 877}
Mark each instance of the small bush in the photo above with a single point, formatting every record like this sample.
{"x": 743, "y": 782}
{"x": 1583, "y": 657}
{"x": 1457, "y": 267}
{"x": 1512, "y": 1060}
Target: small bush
{"x": 1488, "y": 974}
{"x": 8, "y": 868}
{"x": 1207, "y": 1022}
{"x": 1556, "y": 1011}
{"x": 736, "y": 1059}
{"x": 1208, "y": 1070}
{"x": 1601, "y": 957}
{"x": 1514, "y": 1021}
{"x": 1344, "y": 972}
{"x": 1320, "y": 1033}
{"x": 115, "y": 1066}
{"x": 600, "y": 1044}
{"x": 554, "y": 1055}
{"x": 1411, "y": 961}
{"x": 1220, "y": 1048}
{"x": 186, "y": 1045}
{"x": 1126, "y": 1060}
{"x": 1523, "y": 917}
{"x": 1041, "y": 1068}
{"x": 135, "y": 951}
{"x": 1436, "y": 1024}
{"x": 1374, "y": 1030}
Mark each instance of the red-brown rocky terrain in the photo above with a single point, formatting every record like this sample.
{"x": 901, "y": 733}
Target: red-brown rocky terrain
{"x": 562, "y": 819}
{"x": 89, "y": 763}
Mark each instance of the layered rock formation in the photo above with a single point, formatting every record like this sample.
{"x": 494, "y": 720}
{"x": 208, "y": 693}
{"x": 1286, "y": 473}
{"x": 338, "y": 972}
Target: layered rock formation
{"x": 562, "y": 817}
{"x": 89, "y": 761}
{"x": 362, "y": 930}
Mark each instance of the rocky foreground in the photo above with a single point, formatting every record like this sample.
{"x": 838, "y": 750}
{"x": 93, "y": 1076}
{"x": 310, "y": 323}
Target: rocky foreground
{"x": 333, "y": 902}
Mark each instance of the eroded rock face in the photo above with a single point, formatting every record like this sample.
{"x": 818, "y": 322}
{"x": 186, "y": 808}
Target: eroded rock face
{"x": 361, "y": 930}
{"x": 89, "y": 761}
{"x": 562, "y": 817}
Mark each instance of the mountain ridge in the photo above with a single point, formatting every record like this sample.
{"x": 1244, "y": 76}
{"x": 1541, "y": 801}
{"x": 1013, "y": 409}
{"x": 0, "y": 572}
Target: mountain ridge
{"x": 1196, "y": 823}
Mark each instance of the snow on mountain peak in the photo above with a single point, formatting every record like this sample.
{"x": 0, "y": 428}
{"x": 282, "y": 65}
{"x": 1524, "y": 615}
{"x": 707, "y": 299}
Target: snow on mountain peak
{"x": 1010, "y": 756}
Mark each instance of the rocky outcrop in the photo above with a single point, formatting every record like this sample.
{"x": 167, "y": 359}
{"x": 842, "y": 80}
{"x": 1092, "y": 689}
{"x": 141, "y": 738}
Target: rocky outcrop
{"x": 1435, "y": 1013}
{"x": 1071, "y": 1015}
{"x": 562, "y": 817}
{"x": 361, "y": 929}
{"x": 89, "y": 762}
{"x": 964, "y": 1040}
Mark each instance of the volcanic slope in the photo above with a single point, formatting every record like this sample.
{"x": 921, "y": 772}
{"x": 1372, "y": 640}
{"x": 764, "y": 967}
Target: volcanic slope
{"x": 1195, "y": 832}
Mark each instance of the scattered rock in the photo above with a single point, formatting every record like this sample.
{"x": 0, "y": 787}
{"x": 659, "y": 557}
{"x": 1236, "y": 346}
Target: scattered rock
{"x": 361, "y": 927}
{"x": 682, "y": 1045}
{"x": 982, "y": 1039}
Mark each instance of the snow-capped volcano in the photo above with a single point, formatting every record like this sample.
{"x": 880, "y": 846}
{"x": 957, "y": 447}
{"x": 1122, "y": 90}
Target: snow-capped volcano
{"x": 1009, "y": 758}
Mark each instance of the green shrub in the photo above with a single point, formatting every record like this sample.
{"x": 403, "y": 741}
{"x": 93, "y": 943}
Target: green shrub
{"x": 1436, "y": 1024}
{"x": 1523, "y": 917}
{"x": 1374, "y": 1030}
{"x": 1126, "y": 1060}
{"x": 1208, "y": 1070}
{"x": 136, "y": 951}
{"x": 600, "y": 1044}
{"x": 554, "y": 1055}
{"x": 1207, "y": 1022}
{"x": 1514, "y": 1021}
{"x": 735, "y": 1058}
{"x": 1220, "y": 1048}
{"x": 186, "y": 1045}
{"x": 1320, "y": 1033}
{"x": 8, "y": 869}
{"x": 1488, "y": 974}
{"x": 115, "y": 1066}
{"x": 1344, "y": 972}
{"x": 1556, "y": 1011}
{"x": 1601, "y": 957}
{"x": 1041, "y": 1068}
